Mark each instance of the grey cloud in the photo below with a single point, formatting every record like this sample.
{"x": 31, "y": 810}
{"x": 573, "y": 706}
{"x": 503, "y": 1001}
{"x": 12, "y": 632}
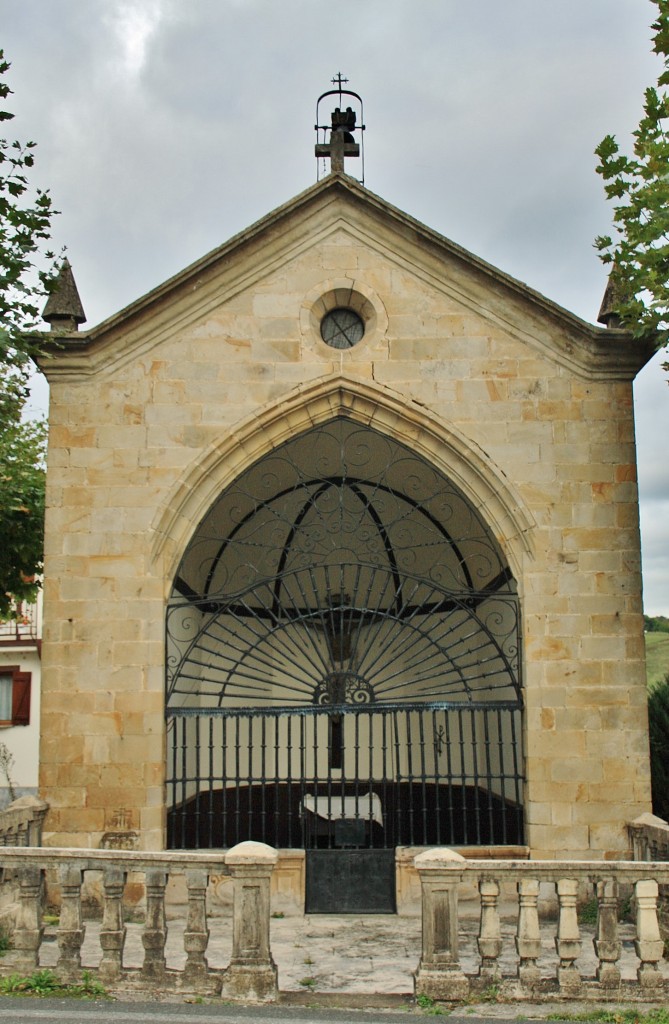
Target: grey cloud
{"x": 482, "y": 121}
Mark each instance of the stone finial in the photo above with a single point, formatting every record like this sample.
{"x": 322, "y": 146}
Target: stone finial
{"x": 63, "y": 309}
{"x": 608, "y": 311}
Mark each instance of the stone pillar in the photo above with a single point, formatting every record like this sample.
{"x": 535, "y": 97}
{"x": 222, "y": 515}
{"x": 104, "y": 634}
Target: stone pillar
{"x": 29, "y": 929}
{"x": 252, "y": 972}
{"x": 648, "y": 944}
{"x": 607, "y": 942}
{"x": 71, "y": 930}
{"x": 568, "y": 941}
{"x": 528, "y": 938}
{"x": 439, "y": 974}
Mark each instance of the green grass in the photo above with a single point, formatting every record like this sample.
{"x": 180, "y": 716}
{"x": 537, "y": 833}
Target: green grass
{"x": 45, "y": 983}
{"x": 616, "y": 1016}
{"x": 657, "y": 657}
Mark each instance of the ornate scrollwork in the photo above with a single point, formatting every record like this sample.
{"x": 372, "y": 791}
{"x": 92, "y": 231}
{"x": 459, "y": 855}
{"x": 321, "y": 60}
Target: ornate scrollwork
{"x": 343, "y": 688}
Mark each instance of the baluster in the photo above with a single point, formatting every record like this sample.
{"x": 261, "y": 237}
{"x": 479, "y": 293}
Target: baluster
{"x": 439, "y": 974}
{"x": 154, "y": 935}
{"x": 252, "y": 972}
{"x": 568, "y": 941}
{"x": 648, "y": 943}
{"x": 607, "y": 942}
{"x": 29, "y": 929}
{"x": 490, "y": 933}
{"x": 196, "y": 936}
{"x": 71, "y": 930}
{"x": 528, "y": 938}
{"x": 112, "y": 933}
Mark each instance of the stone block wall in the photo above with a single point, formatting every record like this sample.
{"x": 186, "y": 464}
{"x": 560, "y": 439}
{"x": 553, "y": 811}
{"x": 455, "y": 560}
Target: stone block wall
{"x": 172, "y": 401}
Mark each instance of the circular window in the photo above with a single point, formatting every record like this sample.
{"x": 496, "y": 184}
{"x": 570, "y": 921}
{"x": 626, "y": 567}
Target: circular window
{"x": 342, "y": 328}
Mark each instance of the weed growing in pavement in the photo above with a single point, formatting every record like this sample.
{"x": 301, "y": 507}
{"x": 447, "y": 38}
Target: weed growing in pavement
{"x": 308, "y": 982}
{"x": 429, "y": 1006}
{"x": 45, "y": 983}
{"x": 629, "y": 1016}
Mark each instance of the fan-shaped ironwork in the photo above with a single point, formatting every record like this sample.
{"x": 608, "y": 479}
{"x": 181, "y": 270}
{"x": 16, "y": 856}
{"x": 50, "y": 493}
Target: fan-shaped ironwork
{"x": 303, "y": 639}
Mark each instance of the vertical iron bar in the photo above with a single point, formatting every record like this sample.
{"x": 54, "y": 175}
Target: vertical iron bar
{"x": 520, "y": 830}
{"x": 384, "y": 776}
{"x": 449, "y": 768}
{"x": 198, "y": 837}
{"x": 502, "y": 775}
{"x": 184, "y": 772}
{"x": 263, "y": 778}
{"x": 488, "y": 765}
{"x": 412, "y": 839}
{"x": 423, "y": 770}
{"x": 463, "y": 779}
{"x": 237, "y": 789}
{"x": 210, "y": 822}
{"x": 477, "y": 789}
{"x": 248, "y": 832}
{"x": 277, "y": 785}
{"x": 225, "y": 837}
{"x": 437, "y": 780}
{"x": 399, "y": 838}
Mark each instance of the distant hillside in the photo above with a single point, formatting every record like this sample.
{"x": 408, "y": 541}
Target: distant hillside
{"x": 657, "y": 648}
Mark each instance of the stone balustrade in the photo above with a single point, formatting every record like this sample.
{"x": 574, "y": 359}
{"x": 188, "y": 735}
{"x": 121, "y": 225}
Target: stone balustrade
{"x": 541, "y": 900}
{"x": 650, "y": 838}
{"x": 251, "y": 974}
{"x": 21, "y": 822}
{"x": 512, "y": 925}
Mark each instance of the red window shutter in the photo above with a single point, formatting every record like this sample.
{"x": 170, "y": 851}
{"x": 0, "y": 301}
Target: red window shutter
{"x": 21, "y": 698}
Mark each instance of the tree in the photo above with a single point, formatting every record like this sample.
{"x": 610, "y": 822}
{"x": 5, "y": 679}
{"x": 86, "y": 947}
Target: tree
{"x": 25, "y": 225}
{"x": 639, "y": 187}
{"x": 658, "y": 726}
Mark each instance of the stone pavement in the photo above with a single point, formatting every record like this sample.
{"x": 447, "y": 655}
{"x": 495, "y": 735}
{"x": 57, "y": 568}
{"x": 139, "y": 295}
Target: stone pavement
{"x": 365, "y": 960}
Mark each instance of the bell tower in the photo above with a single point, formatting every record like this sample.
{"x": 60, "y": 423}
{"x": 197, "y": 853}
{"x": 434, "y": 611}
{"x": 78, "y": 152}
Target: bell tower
{"x": 337, "y": 140}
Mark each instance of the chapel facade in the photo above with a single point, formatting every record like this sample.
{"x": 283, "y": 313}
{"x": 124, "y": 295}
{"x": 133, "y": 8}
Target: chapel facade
{"x": 342, "y": 554}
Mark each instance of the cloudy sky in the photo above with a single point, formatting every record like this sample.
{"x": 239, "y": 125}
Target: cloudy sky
{"x": 166, "y": 126}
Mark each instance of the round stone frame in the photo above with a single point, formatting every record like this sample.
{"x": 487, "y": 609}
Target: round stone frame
{"x": 343, "y": 293}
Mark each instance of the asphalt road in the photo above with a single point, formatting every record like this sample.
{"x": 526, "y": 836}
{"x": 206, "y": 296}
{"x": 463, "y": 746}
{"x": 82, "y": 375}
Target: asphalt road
{"x": 24, "y": 1010}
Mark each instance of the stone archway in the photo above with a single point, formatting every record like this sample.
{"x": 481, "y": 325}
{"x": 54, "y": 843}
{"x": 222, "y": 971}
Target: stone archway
{"x": 343, "y": 666}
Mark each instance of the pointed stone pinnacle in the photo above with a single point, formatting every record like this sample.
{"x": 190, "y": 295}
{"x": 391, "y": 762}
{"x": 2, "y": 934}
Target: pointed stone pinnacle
{"x": 63, "y": 309}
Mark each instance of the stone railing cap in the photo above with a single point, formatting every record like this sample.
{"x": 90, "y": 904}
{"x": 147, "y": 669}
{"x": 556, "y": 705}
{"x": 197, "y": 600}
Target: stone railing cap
{"x": 439, "y": 858}
{"x": 27, "y": 803}
{"x": 249, "y": 852}
{"x": 649, "y": 819}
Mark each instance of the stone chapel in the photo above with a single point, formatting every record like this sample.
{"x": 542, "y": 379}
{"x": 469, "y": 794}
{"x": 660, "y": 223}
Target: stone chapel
{"x": 342, "y": 555}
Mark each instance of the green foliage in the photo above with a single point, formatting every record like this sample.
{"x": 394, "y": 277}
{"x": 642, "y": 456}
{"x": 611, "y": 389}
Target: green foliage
{"x": 429, "y": 1006}
{"x": 656, "y": 623}
{"x": 22, "y": 485}
{"x": 25, "y": 230}
{"x": 43, "y": 983}
{"x": 658, "y": 726}
{"x": 5, "y": 941}
{"x": 26, "y": 274}
{"x": 308, "y": 982}
{"x": 638, "y": 186}
{"x": 615, "y": 1016}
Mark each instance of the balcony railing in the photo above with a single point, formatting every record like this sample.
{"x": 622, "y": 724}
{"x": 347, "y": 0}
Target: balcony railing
{"x": 26, "y": 628}
{"x": 517, "y": 923}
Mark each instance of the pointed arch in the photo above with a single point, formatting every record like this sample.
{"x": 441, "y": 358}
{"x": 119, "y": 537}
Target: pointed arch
{"x": 367, "y": 404}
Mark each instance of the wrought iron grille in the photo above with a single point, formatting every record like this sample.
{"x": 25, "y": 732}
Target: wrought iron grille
{"x": 340, "y": 593}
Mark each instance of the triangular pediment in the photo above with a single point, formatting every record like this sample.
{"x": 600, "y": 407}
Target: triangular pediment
{"x": 333, "y": 210}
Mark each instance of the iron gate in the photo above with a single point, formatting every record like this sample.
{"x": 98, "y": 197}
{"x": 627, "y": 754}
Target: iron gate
{"x": 367, "y": 777}
{"x": 343, "y": 662}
